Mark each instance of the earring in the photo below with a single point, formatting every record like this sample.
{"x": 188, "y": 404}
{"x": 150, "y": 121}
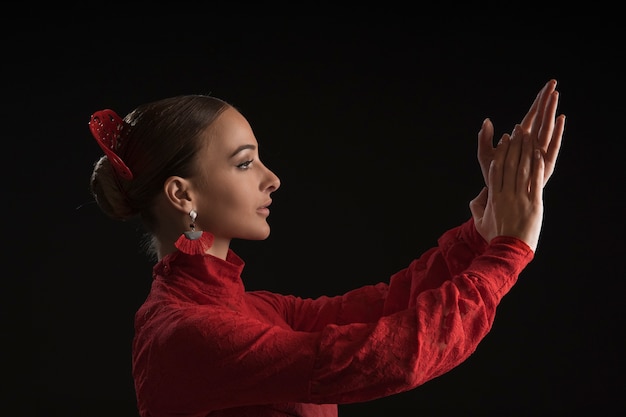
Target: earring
{"x": 194, "y": 242}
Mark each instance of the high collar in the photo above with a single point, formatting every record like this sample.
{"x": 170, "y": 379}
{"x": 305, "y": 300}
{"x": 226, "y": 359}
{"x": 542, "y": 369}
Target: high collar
{"x": 204, "y": 273}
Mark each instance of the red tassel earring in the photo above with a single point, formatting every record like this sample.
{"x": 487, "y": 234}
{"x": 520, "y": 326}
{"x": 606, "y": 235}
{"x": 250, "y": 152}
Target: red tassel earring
{"x": 194, "y": 242}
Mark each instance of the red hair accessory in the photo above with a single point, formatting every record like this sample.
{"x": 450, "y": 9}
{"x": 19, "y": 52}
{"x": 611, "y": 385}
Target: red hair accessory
{"x": 105, "y": 126}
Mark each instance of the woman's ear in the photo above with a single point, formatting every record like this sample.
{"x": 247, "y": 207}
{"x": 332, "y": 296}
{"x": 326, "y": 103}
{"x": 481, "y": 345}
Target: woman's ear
{"x": 177, "y": 193}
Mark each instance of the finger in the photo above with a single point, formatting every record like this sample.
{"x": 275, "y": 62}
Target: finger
{"x": 547, "y": 123}
{"x": 532, "y": 112}
{"x": 524, "y": 169}
{"x": 485, "y": 147}
{"x": 511, "y": 164}
{"x": 530, "y": 117}
{"x": 536, "y": 181}
{"x": 497, "y": 164}
{"x": 553, "y": 148}
{"x": 543, "y": 99}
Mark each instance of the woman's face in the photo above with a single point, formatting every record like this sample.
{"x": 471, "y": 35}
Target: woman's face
{"x": 234, "y": 186}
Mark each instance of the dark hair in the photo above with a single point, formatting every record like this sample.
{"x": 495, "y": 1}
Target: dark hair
{"x": 158, "y": 140}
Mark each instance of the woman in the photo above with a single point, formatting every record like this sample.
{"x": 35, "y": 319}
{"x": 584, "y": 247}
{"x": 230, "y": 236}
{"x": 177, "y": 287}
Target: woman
{"x": 189, "y": 166}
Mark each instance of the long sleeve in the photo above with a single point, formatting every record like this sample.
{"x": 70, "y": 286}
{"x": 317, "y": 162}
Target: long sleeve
{"x": 369, "y": 343}
{"x": 450, "y": 307}
{"x": 383, "y": 339}
{"x": 456, "y": 249}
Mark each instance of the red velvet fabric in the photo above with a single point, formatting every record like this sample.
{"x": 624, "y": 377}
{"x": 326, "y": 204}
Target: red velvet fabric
{"x": 204, "y": 346}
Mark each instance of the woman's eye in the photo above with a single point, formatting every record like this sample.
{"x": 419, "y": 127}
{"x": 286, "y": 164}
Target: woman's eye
{"x": 245, "y": 165}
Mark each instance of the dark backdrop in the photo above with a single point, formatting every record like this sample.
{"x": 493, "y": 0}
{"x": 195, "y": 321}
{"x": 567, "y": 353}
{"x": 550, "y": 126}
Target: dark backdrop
{"x": 371, "y": 125}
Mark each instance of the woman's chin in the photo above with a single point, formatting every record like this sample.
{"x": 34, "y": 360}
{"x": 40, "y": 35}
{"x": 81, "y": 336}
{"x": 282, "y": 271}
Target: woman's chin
{"x": 260, "y": 235}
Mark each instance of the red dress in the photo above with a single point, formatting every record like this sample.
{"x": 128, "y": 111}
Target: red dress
{"x": 204, "y": 346}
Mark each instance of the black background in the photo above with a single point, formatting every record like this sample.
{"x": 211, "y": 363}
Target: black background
{"x": 371, "y": 125}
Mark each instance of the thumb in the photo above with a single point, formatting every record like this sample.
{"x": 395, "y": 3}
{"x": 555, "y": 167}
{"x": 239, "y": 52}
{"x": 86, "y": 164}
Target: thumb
{"x": 478, "y": 204}
{"x": 485, "y": 148}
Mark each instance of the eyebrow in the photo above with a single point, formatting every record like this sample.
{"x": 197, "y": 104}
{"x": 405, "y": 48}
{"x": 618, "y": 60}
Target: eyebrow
{"x": 242, "y": 148}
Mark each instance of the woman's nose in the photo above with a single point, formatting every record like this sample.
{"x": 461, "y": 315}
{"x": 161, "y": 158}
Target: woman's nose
{"x": 272, "y": 182}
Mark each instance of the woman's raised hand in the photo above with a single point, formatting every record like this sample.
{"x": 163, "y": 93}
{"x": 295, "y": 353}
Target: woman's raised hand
{"x": 540, "y": 123}
{"x": 512, "y": 204}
